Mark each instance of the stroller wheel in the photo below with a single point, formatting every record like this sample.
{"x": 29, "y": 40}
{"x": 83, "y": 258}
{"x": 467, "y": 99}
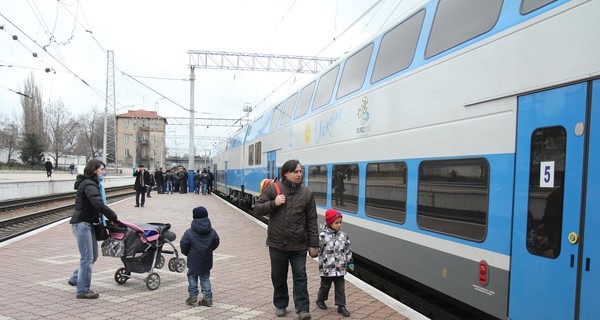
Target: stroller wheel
{"x": 173, "y": 264}
{"x": 153, "y": 281}
{"x": 180, "y": 265}
{"x": 121, "y": 276}
{"x": 160, "y": 262}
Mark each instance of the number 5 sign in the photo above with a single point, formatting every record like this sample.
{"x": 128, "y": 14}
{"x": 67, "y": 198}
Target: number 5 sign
{"x": 547, "y": 174}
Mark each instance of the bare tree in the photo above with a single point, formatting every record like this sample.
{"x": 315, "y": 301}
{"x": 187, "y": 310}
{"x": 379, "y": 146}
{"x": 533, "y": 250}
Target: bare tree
{"x": 91, "y": 126}
{"x": 60, "y": 130}
{"x": 9, "y": 136}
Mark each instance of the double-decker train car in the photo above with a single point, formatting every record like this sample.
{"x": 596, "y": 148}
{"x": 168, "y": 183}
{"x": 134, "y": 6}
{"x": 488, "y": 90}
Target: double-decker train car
{"x": 461, "y": 146}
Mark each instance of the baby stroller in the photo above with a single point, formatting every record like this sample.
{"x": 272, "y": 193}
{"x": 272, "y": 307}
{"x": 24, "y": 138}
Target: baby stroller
{"x": 140, "y": 247}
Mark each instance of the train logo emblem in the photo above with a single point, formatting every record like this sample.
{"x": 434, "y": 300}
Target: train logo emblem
{"x": 363, "y": 116}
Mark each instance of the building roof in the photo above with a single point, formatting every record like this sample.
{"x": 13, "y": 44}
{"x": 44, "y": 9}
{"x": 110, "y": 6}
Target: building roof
{"x": 141, "y": 113}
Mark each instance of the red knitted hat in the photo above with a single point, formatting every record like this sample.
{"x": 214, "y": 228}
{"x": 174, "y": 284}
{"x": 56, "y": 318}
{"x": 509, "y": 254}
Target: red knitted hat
{"x": 331, "y": 215}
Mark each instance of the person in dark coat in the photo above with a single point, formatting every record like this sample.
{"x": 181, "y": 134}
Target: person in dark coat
{"x": 142, "y": 180}
{"x": 198, "y": 244}
{"x": 88, "y": 206}
{"x": 49, "y": 167}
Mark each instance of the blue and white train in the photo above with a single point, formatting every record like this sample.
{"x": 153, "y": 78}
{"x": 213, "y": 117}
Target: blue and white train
{"x": 465, "y": 137}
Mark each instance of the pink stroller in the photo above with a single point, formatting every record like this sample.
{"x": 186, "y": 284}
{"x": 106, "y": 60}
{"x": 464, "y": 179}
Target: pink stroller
{"x": 140, "y": 247}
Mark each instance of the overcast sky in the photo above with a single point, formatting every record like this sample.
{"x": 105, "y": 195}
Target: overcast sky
{"x": 150, "y": 40}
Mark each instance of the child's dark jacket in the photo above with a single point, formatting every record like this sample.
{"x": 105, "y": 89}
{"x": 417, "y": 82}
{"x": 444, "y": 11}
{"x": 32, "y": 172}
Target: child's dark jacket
{"x": 198, "y": 244}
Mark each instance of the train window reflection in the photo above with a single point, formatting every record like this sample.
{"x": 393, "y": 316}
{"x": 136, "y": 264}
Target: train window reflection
{"x": 453, "y": 197}
{"x": 325, "y": 88}
{"x": 317, "y": 183}
{"x": 304, "y": 101}
{"x": 528, "y": 6}
{"x": 458, "y": 21}
{"x": 290, "y": 103}
{"x": 354, "y": 72}
{"x": 344, "y": 185}
{"x": 385, "y": 192}
{"x": 397, "y": 48}
{"x": 545, "y": 205}
{"x": 276, "y": 116}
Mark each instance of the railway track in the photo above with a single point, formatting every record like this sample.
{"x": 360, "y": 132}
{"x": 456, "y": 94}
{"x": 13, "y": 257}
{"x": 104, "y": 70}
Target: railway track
{"x": 20, "y": 216}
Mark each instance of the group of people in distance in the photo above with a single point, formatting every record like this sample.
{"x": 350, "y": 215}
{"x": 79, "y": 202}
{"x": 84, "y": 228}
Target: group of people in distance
{"x": 285, "y": 201}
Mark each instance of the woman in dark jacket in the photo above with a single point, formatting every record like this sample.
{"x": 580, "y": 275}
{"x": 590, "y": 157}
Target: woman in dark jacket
{"x": 88, "y": 206}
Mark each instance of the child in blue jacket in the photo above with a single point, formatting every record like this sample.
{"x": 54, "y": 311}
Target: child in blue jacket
{"x": 198, "y": 244}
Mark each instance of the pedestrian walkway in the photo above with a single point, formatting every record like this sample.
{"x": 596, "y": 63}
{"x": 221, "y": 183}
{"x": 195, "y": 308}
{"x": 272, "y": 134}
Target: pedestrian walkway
{"x": 35, "y": 269}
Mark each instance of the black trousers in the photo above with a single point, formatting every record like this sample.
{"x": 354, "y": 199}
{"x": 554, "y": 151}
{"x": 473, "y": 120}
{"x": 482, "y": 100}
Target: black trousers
{"x": 142, "y": 192}
{"x": 340, "y": 290}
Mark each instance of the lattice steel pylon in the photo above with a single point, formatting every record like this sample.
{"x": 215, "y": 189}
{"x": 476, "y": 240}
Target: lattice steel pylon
{"x": 109, "y": 145}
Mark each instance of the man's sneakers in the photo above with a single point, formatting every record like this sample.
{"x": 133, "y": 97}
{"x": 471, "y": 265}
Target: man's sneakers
{"x": 71, "y": 283}
{"x": 205, "y": 302}
{"x": 280, "y": 312}
{"x": 190, "y": 301}
{"x": 88, "y": 295}
{"x": 304, "y": 315}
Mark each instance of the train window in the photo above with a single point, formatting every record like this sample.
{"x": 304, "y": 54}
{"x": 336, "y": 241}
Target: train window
{"x": 344, "y": 183}
{"x": 304, "y": 101}
{"x": 458, "y": 21}
{"x": 250, "y": 154}
{"x": 528, "y": 6}
{"x": 325, "y": 88}
{"x": 290, "y": 103}
{"x": 545, "y": 205}
{"x": 453, "y": 197}
{"x": 317, "y": 183}
{"x": 385, "y": 192}
{"x": 355, "y": 71}
{"x": 397, "y": 48}
{"x": 276, "y": 116}
{"x": 257, "y": 153}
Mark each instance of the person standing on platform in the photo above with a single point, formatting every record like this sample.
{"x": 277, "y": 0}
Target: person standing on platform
{"x": 150, "y": 184}
{"x": 141, "y": 179}
{"x": 49, "y": 167}
{"x": 72, "y": 168}
{"x": 159, "y": 177}
{"x": 211, "y": 178}
{"x": 169, "y": 179}
{"x": 183, "y": 180}
{"x": 88, "y": 206}
{"x": 198, "y": 244}
{"x": 335, "y": 255}
{"x": 204, "y": 181}
{"x": 292, "y": 230}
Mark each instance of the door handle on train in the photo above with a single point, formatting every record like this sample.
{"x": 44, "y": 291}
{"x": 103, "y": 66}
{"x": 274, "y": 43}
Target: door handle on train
{"x": 572, "y": 260}
{"x": 587, "y": 264}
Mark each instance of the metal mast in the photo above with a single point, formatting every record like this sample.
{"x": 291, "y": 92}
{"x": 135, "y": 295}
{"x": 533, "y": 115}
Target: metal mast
{"x": 109, "y": 144}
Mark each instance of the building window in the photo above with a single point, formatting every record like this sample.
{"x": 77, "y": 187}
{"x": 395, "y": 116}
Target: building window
{"x": 453, "y": 197}
{"x": 126, "y": 123}
{"x": 385, "y": 191}
{"x": 126, "y": 137}
{"x": 144, "y": 123}
{"x": 127, "y": 153}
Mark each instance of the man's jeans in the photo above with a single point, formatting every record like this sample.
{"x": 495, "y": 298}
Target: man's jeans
{"x": 279, "y": 272}
{"x": 88, "y": 249}
{"x": 204, "y": 286}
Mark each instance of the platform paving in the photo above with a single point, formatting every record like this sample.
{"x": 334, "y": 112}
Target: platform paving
{"x": 35, "y": 269}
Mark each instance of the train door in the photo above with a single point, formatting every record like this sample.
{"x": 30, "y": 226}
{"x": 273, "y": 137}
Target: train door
{"x": 271, "y": 165}
{"x": 548, "y": 268}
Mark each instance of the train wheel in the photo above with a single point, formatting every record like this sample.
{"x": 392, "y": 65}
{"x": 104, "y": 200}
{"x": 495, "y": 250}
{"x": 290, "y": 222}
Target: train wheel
{"x": 180, "y": 265}
{"x": 153, "y": 281}
{"x": 173, "y": 264}
{"x": 121, "y": 276}
{"x": 160, "y": 262}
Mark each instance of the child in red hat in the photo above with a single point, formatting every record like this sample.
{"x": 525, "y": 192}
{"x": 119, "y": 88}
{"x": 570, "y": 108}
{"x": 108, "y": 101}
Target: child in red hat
{"x": 335, "y": 255}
